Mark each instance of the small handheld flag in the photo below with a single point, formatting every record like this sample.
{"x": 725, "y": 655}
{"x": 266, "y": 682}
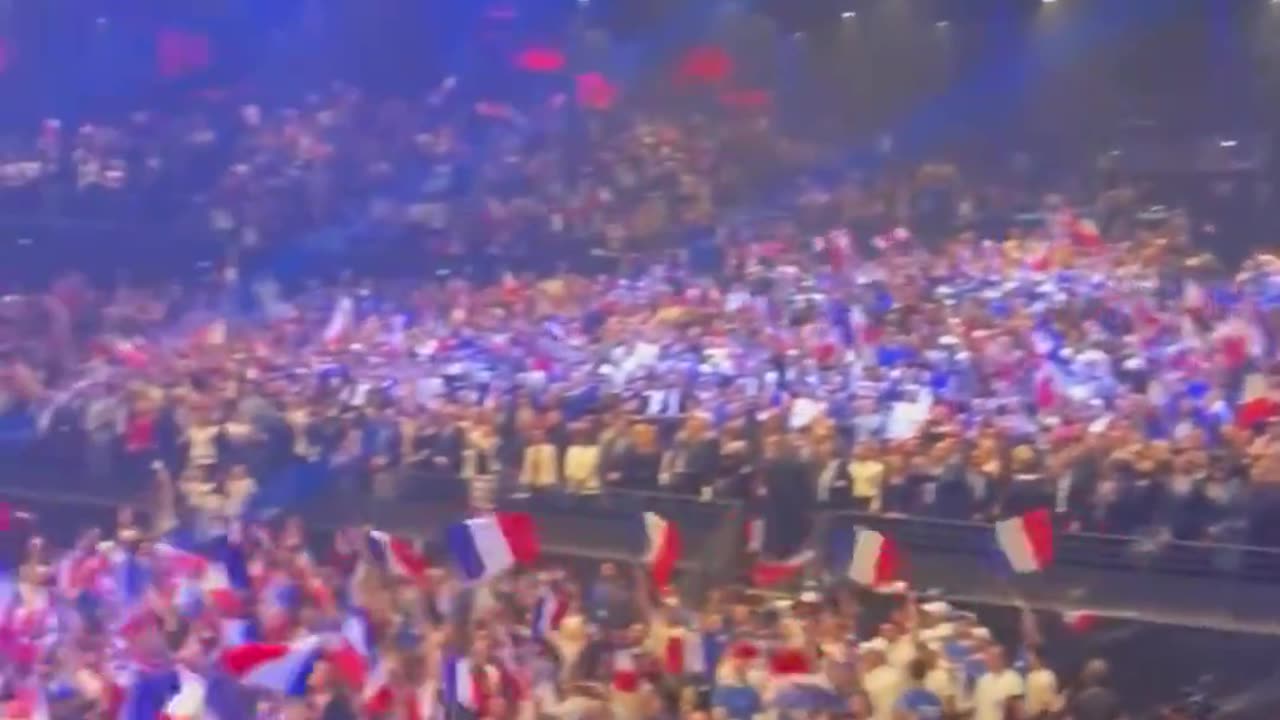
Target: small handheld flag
{"x": 1026, "y": 541}
{"x": 485, "y": 547}
{"x": 865, "y": 556}
{"x": 662, "y": 548}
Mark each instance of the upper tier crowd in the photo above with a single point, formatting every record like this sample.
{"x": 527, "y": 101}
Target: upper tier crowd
{"x": 533, "y": 302}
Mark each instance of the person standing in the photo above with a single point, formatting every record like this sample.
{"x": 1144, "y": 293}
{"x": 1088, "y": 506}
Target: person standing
{"x": 1095, "y": 700}
{"x": 918, "y": 702}
{"x": 999, "y": 691}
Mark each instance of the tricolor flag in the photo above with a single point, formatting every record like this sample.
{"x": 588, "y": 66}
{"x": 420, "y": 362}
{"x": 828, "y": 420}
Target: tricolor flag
{"x": 340, "y": 322}
{"x": 1026, "y": 541}
{"x": 485, "y": 547}
{"x": 662, "y": 548}
{"x": 357, "y": 633}
{"x": 626, "y": 676}
{"x": 766, "y": 573}
{"x": 865, "y": 556}
{"x": 1240, "y": 340}
{"x": 548, "y": 613}
{"x": 460, "y": 687}
{"x": 190, "y": 701}
{"x": 755, "y": 529}
{"x": 233, "y": 632}
{"x": 689, "y": 653}
{"x": 397, "y": 555}
{"x": 352, "y": 657}
{"x": 377, "y": 697}
{"x": 1080, "y": 621}
{"x": 218, "y": 591}
{"x": 1257, "y": 405}
{"x": 274, "y": 667}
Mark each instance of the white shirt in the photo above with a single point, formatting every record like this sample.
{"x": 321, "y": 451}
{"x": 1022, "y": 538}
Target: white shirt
{"x": 883, "y": 686}
{"x": 992, "y": 693}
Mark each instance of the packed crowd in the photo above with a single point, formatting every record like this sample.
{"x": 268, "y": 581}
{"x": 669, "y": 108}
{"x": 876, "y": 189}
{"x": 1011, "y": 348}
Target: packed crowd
{"x": 546, "y": 305}
{"x": 1123, "y": 385}
{"x": 250, "y": 622}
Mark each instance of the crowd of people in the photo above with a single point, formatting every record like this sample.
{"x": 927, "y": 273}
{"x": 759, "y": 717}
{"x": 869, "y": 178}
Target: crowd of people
{"x": 1125, "y": 385}
{"x": 251, "y": 622}
{"x": 530, "y": 302}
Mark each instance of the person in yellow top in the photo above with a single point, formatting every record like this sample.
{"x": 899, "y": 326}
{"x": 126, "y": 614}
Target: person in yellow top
{"x": 582, "y": 462}
{"x": 866, "y": 475}
{"x": 540, "y": 464}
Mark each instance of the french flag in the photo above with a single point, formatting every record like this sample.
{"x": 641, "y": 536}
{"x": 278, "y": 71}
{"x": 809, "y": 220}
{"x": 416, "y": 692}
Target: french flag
{"x": 548, "y": 613}
{"x": 274, "y": 667}
{"x": 219, "y": 592}
{"x": 662, "y": 548}
{"x": 755, "y": 529}
{"x": 377, "y": 697}
{"x": 689, "y": 653}
{"x": 353, "y": 656}
{"x": 189, "y": 703}
{"x": 626, "y": 675}
{"x": 460, "y": 686}
{"x": 767, "y": 573}
{"x": 485, "y": 547}
{"x": 233, "y": 632}
{"x": 1026, "y": 541}
{"x": 397, "y": 555}
{"x": 341, "y": 320}
{"x": 1080, "y": 621}
{"x": 358, "y": 634}
{"x": 865, "y": 556}
{"x": 229, "y": 554}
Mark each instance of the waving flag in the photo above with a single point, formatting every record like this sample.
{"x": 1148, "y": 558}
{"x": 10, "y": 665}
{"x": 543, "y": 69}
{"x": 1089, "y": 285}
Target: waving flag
{"x": 233, "y": 632}
{"x": 129, "y": 576}
{"x": 485, "y": 547}
{"x": 1080, "y": 621}
{"x": 865, "y": 556}
{"x": 340, "y": 322}
{"x": 397, "y": 555}
{"x": 460, "y": 687}
{"x": 662, "y": 548}
{"x": 767, "y": 573}
{"x": 1026, "y": 541}
{"x": 755, "y": 530}
{"x": 626, "y": 676}
{"x": 189, "y": 702}
{"x": 548, "y": 613}
{"x": 377, "y": 697}
{"x": 690, "y": 653}
{"x": 275, "y": 667}
{"x": 147, "y": 689}
{"x": 353, "y": 656}
{"x": 357, "y": 633}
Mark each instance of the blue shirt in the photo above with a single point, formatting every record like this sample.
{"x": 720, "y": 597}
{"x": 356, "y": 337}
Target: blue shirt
{"x": 739, "y": 702}
{"x": 921, "y": 704}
